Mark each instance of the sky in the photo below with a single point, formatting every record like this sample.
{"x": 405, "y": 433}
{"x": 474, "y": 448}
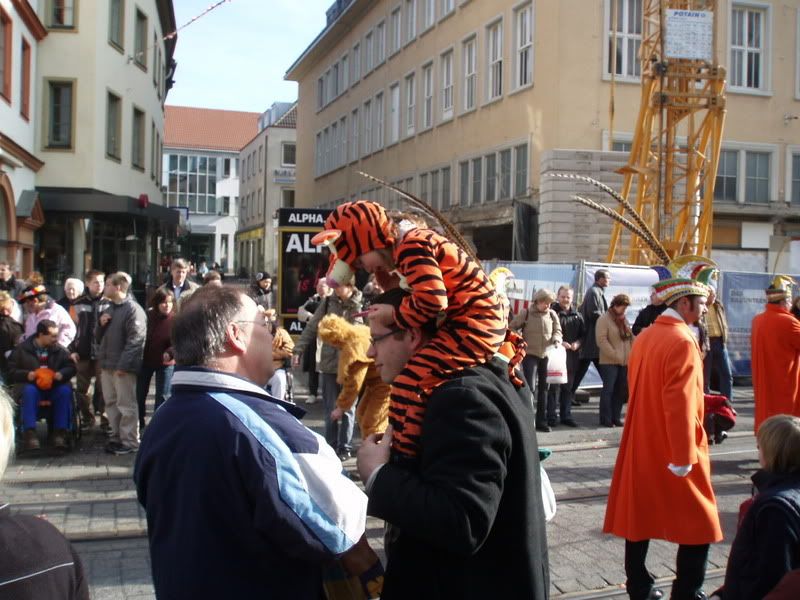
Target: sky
{"x": 235, "y": 57}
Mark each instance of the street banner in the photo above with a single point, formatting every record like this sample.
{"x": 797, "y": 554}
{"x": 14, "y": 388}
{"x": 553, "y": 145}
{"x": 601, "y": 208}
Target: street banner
{"x": 529, "y": 277}
{"x": 625, "y": 279}
{"x": 300, "y": 263}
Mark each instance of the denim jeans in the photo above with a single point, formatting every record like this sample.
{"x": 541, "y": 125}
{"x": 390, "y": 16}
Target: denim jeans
{"x": 339, "y": 435}
{"x": 163, "y": 387}
{"x": 718, "y": 360}
{"x": 615, "y": 388}
{"x": 61, "y": 397}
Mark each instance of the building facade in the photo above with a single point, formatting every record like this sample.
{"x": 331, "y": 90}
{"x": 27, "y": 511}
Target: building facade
{"x": 267, "y": 184}
{"x": 104, "y": 71}
{"x": 458, "y": 102}
{"x": 202, "y": 177}
{"x": 21, "y": 31}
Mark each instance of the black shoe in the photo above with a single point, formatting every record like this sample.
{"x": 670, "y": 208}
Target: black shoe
{"x": 619, "y": 423}
{"x": 543, "y": 428}
{"x": 112, "y": 447}
{"x": 655, "y": 594}
{"x": 552, "y": 423}
{"x": 569, "y": 422}
{"x": 123, "y": 450}
{"x": 606, "y": 424}
{"x": 345, "y": 455}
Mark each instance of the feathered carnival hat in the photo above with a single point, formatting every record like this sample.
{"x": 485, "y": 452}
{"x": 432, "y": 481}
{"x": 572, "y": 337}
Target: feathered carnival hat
{"x": 687, "y": 275}
{"x": 32, "y": 291}
{"x": 351, "y": 230}
{"x": 780, "y": 288}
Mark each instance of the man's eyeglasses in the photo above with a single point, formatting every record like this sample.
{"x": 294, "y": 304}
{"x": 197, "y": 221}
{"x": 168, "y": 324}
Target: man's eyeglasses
{"x": 373, "y": 340}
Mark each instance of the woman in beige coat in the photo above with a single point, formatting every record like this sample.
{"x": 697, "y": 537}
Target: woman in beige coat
{"x": 614, "y": 338}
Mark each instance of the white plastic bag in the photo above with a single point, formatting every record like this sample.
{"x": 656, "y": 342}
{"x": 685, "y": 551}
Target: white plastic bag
{"x": 557, "y": 364}
{"x": 548, "y": 496}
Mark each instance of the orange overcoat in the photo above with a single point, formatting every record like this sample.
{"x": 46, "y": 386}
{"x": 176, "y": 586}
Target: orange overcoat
{"x": 775, "y": 361}
{"x": 664, "y": 425}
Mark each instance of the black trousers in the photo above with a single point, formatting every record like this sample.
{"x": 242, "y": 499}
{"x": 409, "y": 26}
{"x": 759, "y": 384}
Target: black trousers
{"x": 583, "y": 366}
{"x": 690, "y": 568}
{"x": 535, "y": 371}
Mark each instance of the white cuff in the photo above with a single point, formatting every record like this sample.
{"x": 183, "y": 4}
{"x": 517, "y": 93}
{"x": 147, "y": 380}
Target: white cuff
{"x": 680, "y": 471}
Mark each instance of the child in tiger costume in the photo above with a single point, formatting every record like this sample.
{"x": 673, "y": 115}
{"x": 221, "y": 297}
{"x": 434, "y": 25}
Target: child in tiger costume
{"x": 445, "y": 284}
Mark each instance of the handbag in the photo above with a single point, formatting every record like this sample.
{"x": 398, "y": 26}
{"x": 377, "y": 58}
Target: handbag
{"x": 557, "y": 364}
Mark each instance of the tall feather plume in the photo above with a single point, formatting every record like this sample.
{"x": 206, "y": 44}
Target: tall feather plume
{"x": 657, "y": 249}
{"x": 448, "y": 227}
{"x": 648, "y": 236}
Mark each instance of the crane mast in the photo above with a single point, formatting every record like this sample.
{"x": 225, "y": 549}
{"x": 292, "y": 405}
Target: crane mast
{"x": 678, "y": 135}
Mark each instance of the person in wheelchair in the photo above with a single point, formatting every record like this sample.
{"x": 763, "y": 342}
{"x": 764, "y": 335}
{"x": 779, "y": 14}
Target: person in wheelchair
{"x": 41, "y": 369}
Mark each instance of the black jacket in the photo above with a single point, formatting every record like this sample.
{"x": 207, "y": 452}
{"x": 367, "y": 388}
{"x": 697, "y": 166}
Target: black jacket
{"x": 647, "y": 317}
{"x": 88, "y": 310}
{"x": 13, "y": 286}
{"x": 10, "y": 332}
{"x": 572, "y": 326}
{"x": 23, "y": 360}
{"x": 767, "y": 544}
{"x": 467, "y": 519}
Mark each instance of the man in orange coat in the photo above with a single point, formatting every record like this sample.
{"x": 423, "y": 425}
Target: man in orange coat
{"x": 661, "y": 487}
{"x": 775, "y": 354}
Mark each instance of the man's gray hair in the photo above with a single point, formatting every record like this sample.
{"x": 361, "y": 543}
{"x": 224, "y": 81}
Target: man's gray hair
{"x": 6, "y": 430}
{"x": 179, "y": 263}
{"x": 199, "y": 329}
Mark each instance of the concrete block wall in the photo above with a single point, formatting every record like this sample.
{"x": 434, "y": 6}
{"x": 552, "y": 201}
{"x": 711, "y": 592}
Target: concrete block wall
{"x": 568, "y": 230}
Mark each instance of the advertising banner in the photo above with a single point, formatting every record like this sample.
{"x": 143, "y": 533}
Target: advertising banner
{"x": 625, "y": 279}
{"x": 529, "y": 277}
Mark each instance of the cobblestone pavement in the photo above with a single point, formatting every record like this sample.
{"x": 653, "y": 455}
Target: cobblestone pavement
{"x": 89, "y": 495}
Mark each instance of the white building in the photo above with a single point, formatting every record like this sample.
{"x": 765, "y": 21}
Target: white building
{"x": 21, "y": 31}
{"x": 201, "y": 177}
{"x": 104, "y": 70}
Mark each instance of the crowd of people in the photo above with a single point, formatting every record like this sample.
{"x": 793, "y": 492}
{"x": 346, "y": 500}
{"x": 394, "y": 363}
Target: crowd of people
{"x": 449, "y": 391}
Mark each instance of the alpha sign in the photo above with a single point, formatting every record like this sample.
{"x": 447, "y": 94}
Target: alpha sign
{"x": 302, "y": 217}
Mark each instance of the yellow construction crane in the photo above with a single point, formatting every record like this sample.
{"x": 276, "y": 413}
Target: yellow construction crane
{"x": 676, "y": 144}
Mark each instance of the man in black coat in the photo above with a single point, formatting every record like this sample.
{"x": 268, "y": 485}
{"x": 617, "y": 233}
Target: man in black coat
{"x": 648, "y": 315}
{"x": 593, "y": 307}
{"x": 42, "y": 351}
{"x": 465, "y": 519}
{"x": 9, "y": 283}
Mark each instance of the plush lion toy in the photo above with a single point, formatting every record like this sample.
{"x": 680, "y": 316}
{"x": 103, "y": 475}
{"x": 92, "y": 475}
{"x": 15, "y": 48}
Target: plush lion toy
{"x": 357, "y": 373}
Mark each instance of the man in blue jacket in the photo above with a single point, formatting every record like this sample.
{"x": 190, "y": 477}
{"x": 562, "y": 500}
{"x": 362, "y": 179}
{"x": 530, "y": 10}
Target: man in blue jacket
{"x": 242, "y": 500}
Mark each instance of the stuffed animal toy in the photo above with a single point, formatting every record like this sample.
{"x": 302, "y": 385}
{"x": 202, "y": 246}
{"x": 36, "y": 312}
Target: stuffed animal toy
{"x": 44, "y": 378}
{"x": 357, "y": 373}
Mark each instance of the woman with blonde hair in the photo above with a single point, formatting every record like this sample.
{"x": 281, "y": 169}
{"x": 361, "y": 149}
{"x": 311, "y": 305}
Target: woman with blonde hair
{"x": 615, "y": 339}
{"x": 767, "y": 544}
{"x": 38, "y": 562}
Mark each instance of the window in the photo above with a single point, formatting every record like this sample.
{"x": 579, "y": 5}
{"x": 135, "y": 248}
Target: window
{"x": 288, "y": 155}
{"x": 494, "y": 44}
{"x": 423, "y": 187}
{"x": 113, "y": 126}
{"x": 25, "y": 81}
{"x": 411, "y": 104}
{"x": 5, "y": 55}
{"x": 287, "y": 198}
{"x": 61, "y": 14}
{"x": 445, "y": 199}
{"x": 395, "y": 33}
{"x": 380, "y": 43}
{"x": 795, "y": 199}
{"x": 354, "y": 145}
{"x": 140, "y": 40}
{"x": 448, "y": 6}
{"x": 430, "y": 14}
{"x": 156, "y": 59}
{"x": 318, "y": 155}
{"x": 116, "y": 23}
{"x": 344, "y": 74}
{"x": 463, "y": 174}
{"x": 748, "y": 43}
{"x": 379, "y": 116}
{"x": 343, "y": 131}
{"x": 470, "y": 73}
{"x": 727, "y": 174}
{"x": 137, "y": 140}
{"x": 523, "y": 40}
{"x": 356, "y": 73}
{"x": 153, "y": 150}
{"x": 491, "y": 178}
{"x": 477, "y": 173}
{"x": 334, "y": 74}
{"x": 628, "y": 17}
{"x": 320, "y": 93}
{"x": 521, "y": 171}
{"x": 367, "y": 137}
{"x": 368, "y": 53}
{"x": 411, "y": 20}
{"x": 427, "y": 96}
{"x": 757, "y": 177}
{"x": 447, "y": 85}
{"x": 434, "y": 197}
{"x": 334, "y": 154}
{"x": 505, "y": 175}
{"x": 394, "y": 113}
{"x": 618, "y": 146}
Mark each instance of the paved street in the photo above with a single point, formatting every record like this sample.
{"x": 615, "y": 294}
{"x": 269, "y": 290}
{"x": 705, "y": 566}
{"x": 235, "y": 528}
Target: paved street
{"x": 89, "y": 496}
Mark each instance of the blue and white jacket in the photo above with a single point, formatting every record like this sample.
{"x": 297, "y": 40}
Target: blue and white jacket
{"x": 242, "y": 500}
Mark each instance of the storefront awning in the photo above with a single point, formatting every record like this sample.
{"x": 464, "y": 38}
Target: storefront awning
{"x": 94, "y": 201}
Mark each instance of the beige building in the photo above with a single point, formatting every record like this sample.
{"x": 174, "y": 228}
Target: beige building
{"x": 103, "y": 73}
{"x": 460, "y": 100}
{"x": 267, "y": 183}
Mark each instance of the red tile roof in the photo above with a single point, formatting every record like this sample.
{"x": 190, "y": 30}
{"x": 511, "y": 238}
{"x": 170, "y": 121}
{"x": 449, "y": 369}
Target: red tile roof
{"x": 208, "y": 128}
{"x": 289, "y": 120}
